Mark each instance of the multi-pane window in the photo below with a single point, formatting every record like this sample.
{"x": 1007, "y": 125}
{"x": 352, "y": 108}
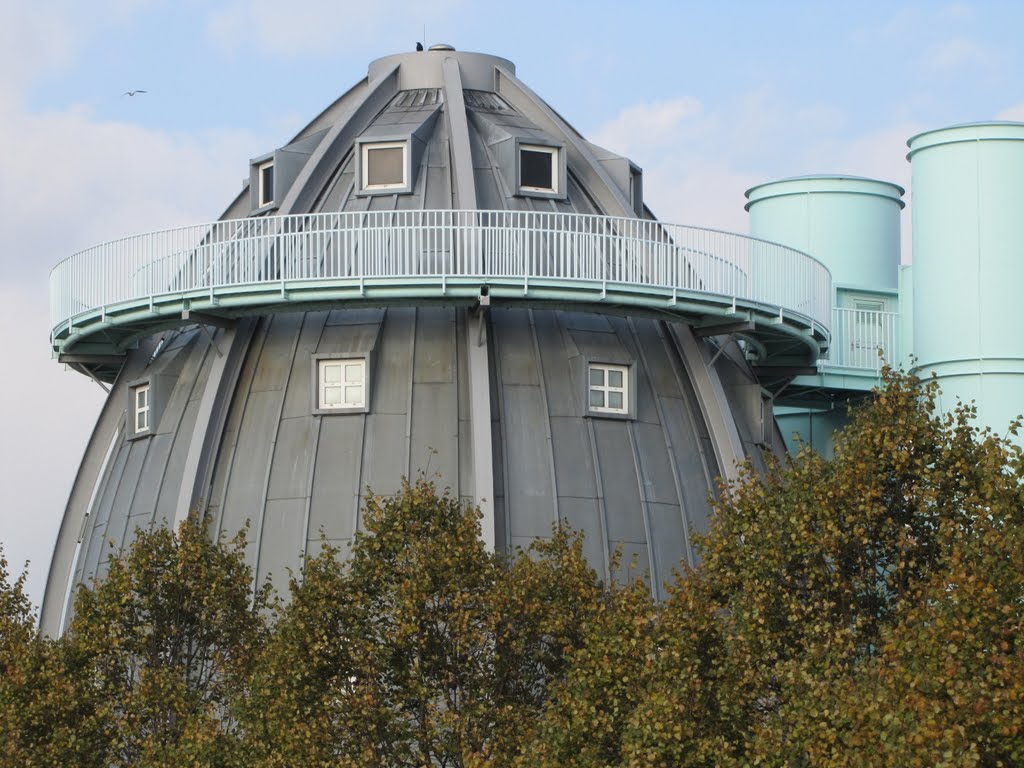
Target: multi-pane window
{"x": 608, "y": 388}
{"x": 383, "y": 165}
{"x": 341, "y": 384}
{"x": 141, "y": 407}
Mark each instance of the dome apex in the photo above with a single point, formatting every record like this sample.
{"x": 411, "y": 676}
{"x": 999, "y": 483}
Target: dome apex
{"x": 424, "y": 69}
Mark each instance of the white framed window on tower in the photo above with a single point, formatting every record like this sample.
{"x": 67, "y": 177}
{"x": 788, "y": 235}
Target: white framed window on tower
{"x": 539, "y": 169}
{"x": 341, "y": 384}
{"x": 384, "y": 165}
{"x": 265, "y": 181}
{"x": 608, "y": 389}
{"x": 141, "y": 408}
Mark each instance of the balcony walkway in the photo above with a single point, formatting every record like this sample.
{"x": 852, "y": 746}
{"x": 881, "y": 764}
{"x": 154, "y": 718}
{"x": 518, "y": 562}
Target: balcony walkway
{"x": 778, "y": 299}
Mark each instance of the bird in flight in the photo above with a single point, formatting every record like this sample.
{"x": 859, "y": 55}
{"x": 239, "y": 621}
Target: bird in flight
{"x": 132, "y": 93}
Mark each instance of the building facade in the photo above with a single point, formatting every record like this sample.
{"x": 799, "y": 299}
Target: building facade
{"x": 439, "y": 275}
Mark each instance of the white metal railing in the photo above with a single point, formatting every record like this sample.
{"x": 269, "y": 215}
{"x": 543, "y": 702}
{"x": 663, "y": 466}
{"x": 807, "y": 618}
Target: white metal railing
{"x": 857, "y": 337}
{"x": 523, "y": 245}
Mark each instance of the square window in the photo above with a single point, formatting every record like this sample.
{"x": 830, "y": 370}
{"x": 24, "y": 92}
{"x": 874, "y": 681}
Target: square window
{"x": 265, "y": 173}
{"x": 608, "y": 388}
{"x": 538, "y": 169}
{"x": 341, "y": 384}
{"x": 141, "y": 408}
{"x": 383, "y": 165}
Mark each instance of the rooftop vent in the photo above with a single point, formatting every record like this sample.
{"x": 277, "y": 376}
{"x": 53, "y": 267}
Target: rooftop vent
{"x": 441, "y": 47}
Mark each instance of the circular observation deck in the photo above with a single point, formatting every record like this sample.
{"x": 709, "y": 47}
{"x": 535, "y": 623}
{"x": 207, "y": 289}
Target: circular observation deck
{"x": 103, "y": 299}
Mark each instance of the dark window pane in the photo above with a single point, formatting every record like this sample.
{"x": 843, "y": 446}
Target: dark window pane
{"x": 266, "y": 184}
{"x": 384, "y": 166}
{"x": 536, "y": 169}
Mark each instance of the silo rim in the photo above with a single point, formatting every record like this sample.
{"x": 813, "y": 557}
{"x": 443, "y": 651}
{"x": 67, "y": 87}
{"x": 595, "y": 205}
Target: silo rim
{"x": 1015, "y": 135}
{"x": 900, "y": 191}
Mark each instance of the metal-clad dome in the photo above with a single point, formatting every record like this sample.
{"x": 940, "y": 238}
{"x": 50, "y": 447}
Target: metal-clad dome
{"x": 481, "y": 349}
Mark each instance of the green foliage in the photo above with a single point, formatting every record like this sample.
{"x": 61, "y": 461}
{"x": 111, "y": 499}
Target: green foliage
{"x": 865, "y": 610}
{"x": 163, "y": 642}
{"x": 144, "y": 674}
{"x": 423, "y": 649}
{"x": 859, "y": 611}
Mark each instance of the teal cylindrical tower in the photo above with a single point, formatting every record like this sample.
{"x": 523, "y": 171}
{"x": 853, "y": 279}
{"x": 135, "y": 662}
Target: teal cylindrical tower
{"x": 850, "y": 223}
{"x": 968, "y": 219}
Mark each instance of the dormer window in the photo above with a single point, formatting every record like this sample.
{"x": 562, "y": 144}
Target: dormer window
{"x": 384, "y": 166}
{"x": 538, "y": 169}
{"x": 265, "y": 179}
{"x": 144, "y": 405}
{"x": 140, "y": 408}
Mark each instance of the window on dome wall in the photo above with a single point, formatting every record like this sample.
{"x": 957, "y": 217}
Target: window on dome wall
{"x": 265, "y": 175}
{"x": 384, "y": 166}
{"x": 538, "y": 169}
{"x": 608, "y": 389}
{"x": 141, "y": 409}
{"x": 341, "y": 385}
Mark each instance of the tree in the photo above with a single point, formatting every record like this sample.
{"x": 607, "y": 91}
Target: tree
{"x": 161, "y": 645}
{"x": 422, "y": 649}
{"x": 857, "y": 611}
{"x": 43, "y": 720}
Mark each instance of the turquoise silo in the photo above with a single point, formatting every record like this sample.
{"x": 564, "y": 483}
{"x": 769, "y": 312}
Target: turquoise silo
{"x": 968, "y": 219}
{"x": 852, "y": 225}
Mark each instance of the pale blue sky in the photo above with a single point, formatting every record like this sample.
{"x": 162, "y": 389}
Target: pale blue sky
{"x": 709, "y": 98}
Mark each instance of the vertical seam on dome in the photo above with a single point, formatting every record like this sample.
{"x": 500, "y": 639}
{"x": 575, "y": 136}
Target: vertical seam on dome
{"x": 272, "y": 453}
{"x": 547, "y": 416}
{"x": 645, "y": 508}
{"x": 669, "y": 448}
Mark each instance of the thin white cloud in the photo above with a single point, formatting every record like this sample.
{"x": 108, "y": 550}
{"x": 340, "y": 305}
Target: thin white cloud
{"x": 956, "y": 54}
{"x": 1014, "y": 113}
{"x": 314, "y": 27}
{"x": 648, "y": 126}
{"x": 698, "y": 163}
{"x": 958, "y": 12}
{"x": 76, "y": 180}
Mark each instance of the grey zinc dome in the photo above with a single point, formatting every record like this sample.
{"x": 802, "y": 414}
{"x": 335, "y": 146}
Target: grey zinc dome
{"x": 437, "y": 275}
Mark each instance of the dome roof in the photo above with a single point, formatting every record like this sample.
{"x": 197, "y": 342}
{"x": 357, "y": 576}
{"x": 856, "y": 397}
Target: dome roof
{"x": 615, "y": 418}
{"x": 462, "y": 115}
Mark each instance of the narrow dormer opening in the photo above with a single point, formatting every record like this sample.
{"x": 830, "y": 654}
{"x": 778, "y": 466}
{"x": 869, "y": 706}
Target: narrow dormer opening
{"x": 538, "y": 169}
{"x": 265, "y": 177}
{"x": 384, "y": 165}
{"x": 140, "y": 408}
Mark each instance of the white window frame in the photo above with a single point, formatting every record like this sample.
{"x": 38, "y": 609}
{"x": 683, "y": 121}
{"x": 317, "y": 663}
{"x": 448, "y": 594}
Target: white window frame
{"x": 555, "y": 168}
{"x": 364, "y": 162}
{"x": 607, "y": 388}
{"x": 143, "y": 413}
{"x": 261, "y": 196}
{"x": 322, "y": 387}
